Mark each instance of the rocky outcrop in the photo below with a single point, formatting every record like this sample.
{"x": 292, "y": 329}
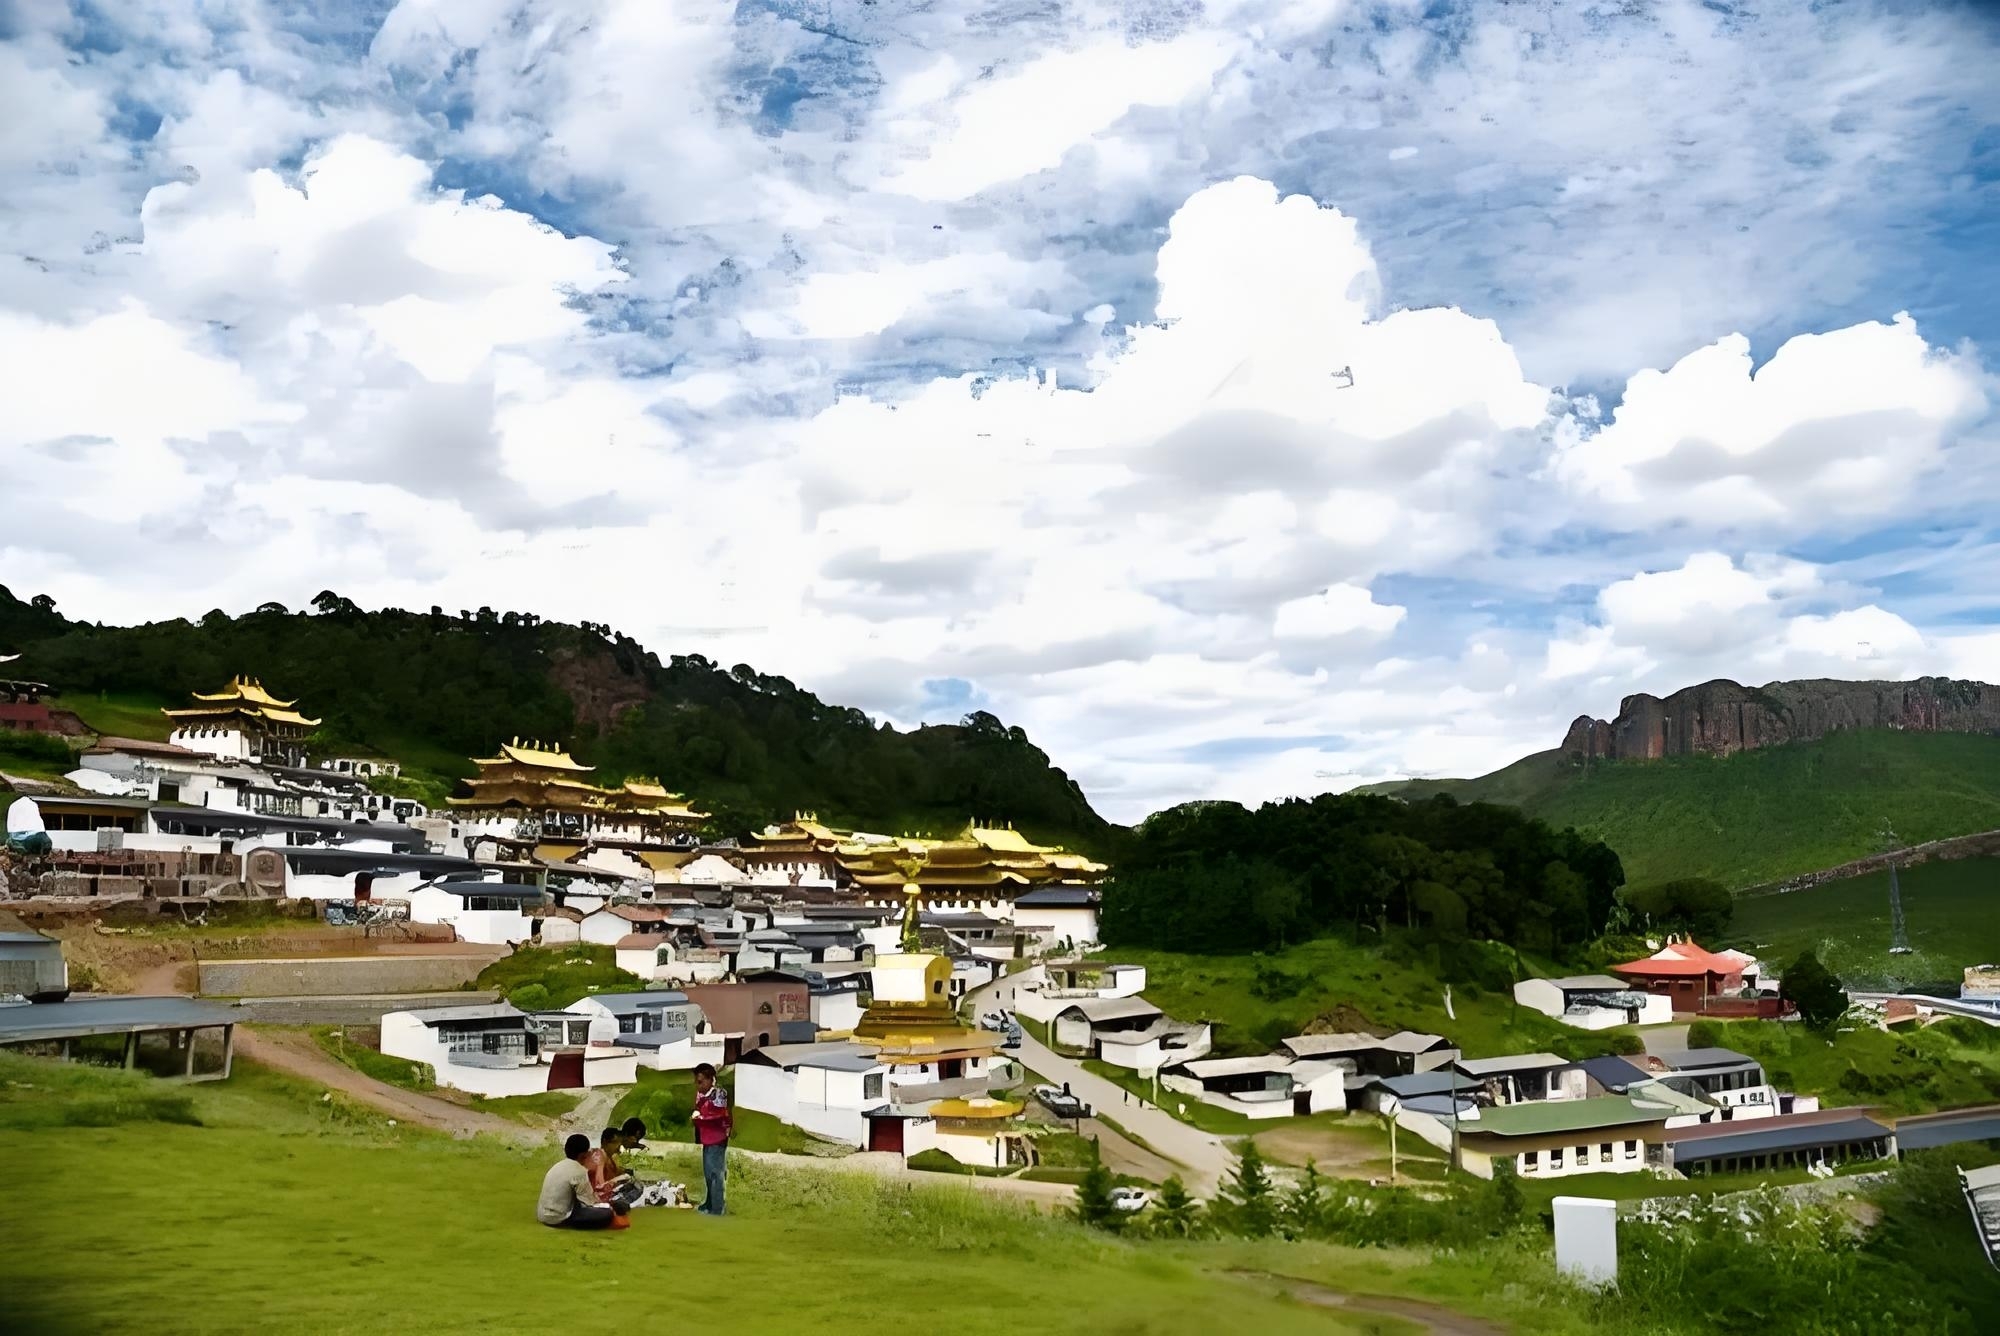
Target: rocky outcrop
{"x": 1719, "y": 718}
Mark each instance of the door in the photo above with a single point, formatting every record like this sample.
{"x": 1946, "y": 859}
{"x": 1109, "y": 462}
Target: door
{"x": 1302, "y": 1102}
{"x": 885, "y": 1134}
{"x": 566, "y": 1071}
{"x": 950, "y": 1069}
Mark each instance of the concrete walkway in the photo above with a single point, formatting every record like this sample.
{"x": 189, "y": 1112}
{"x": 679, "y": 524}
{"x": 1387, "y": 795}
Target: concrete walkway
{"x": 1203, "y": 1157}
{"x": 1663, "y": 1041}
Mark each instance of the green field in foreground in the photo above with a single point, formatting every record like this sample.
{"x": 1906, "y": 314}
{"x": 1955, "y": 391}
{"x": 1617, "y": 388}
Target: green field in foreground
{"x": 287, "y": 1212}
{"x": 1951, "y": 911}
{"x": 1758, "y": 816}
{"x": 266, "y": 1205}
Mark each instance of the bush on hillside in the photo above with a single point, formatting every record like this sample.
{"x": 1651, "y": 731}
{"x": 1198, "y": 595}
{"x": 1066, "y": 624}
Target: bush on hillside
{"x": 935, "y": 1161}
{"x": 1697, "y": 905}
{"x": 1450, "y": 875}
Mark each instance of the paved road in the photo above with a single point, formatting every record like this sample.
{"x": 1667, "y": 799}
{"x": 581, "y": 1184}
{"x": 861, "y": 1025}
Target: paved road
{"x": 1203, "y": 1157}
{"x": 1664, "y": 1040}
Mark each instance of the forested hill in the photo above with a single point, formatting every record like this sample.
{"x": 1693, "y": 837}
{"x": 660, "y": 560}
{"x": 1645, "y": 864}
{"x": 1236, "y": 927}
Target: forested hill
{"x": 434, "y": 688}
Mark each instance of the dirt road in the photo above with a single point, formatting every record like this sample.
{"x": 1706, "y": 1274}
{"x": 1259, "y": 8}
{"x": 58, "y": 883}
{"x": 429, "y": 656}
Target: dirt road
{"x": 297, "y": 1055}
{"x": 1426, "y": 1317}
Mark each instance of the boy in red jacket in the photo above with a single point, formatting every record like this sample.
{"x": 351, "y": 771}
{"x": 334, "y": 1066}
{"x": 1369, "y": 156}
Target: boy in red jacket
{"x": 711, "y": 1129}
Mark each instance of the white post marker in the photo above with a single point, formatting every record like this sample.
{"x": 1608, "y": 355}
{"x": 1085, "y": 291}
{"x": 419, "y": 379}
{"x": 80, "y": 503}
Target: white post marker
{"x": 1587, "y": 1239}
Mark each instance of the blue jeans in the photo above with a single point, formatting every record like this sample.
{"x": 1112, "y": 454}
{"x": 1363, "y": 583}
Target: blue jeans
{"x": 714, "y": 1168}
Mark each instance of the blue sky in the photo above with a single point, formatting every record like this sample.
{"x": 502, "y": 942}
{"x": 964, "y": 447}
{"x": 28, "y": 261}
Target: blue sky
{"x": 947, "y": 355}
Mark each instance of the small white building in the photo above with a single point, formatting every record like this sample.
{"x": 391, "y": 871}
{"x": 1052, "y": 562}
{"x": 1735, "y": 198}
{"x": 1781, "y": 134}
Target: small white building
{"x": 665, "y": 1029}
{"x": 498, "y": 1051}
{"x": 1594, "y": 1001}
{"x": 829, "y": 1089}
{"x": 492, "y": 912}
{"x": 1065, "y": 914}
{"x": 1080, "y": 1025}
{"x": 1256, "y": 1087}
{"x": 603, "y": 927}
{"x": 708, "y": 869}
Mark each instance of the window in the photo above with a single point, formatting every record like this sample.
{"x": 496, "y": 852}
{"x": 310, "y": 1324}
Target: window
{"x": 1583, "y": 1155}
{"x": 1604, "y": 1153}
{"x": 1528, "y": 1162}
{"x": 1556, "y": 1158}
{"x": 871, "y": 1086}
{"x": 1631, "y": 1150}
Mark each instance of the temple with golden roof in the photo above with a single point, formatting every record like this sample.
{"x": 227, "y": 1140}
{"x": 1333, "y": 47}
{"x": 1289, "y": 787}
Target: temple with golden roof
{"x": 242, "y": 722}
{"x": 981, "y": 865}
{"x": 935, "y": 1060}
{"x": 540, "y": 780}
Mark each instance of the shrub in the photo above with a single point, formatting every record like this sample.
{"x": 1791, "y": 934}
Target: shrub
{"x": 1705, "y": 1034}
{"x": 530, "y": 997}
{"x": 937, "y": 1162}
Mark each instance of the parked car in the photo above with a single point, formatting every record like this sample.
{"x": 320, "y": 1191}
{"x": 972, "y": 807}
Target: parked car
{"x": 1044, "y": 1091}
{"x": 1130, "y": 1199}
{"x": 1012, "y": 1039}
{"x": 1063, "y": 1106}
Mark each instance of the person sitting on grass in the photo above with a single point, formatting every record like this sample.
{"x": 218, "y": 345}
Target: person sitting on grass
{"x": 711, "y": 1129}
{"x": 567, "y": 1200}
{"x": 614, "y": 1187}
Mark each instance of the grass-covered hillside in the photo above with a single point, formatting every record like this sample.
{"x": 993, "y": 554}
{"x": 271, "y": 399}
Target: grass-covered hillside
{"x": 1758, "y": 816}
{"x": 1951, "y": 914}
{"x": 434, "y": 688}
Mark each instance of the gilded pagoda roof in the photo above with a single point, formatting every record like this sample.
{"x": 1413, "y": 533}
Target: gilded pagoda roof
{"x": 534, "y": 755}
{"x": 244, "y": 697}
{"x": 979, "y": 855}
{"x": 246, "y": 689}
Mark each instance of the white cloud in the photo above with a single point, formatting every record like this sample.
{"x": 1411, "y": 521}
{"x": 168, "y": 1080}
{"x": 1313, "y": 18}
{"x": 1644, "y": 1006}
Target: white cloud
{"x": 1845, "y": 423}
{"x": 772, "y": 359}
{"x": 1023, "y": 122}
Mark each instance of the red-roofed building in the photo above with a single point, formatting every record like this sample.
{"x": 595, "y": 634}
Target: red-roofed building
{"x": 1686, "y": 973}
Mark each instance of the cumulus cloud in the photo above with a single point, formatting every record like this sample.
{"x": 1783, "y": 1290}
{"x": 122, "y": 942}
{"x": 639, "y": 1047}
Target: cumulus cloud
{"x": 1234, "y": 438}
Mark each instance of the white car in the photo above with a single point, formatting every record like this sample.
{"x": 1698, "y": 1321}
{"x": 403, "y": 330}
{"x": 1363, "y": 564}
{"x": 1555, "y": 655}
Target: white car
{"x": 1046, "y": 1092}
{"x": 1130, "y": 1199}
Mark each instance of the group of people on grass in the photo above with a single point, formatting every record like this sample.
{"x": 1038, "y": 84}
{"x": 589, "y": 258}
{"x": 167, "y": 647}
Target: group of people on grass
{"x": 589, "y": 1189}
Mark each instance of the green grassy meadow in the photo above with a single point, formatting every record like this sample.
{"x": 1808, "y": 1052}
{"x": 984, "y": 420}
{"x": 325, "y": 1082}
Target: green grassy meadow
{"x": 121, "y": 714}
{"x": 1758, "y": 816}
{"x": 283, "y": 1211}
{"x": 1951, "y": 911}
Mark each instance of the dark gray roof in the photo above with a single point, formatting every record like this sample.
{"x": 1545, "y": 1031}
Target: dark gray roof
{"x": 1798, "y": 1136}
{"x": 1426, "y": 1083}
{"x": 331, "y": 859}
{"x": 1706, "y": 1059}
{"x": 1058, "y": 897}
{"x": 495, "y": 890}
{"x": 1946, "y": 1132}
{"x": 1614, "y": 1074}
{"x": 108, "y": 1015}
{"x": 650, "y": 1000}
{"x": 797, "y": 1032}
{"x": 34, "y": 938}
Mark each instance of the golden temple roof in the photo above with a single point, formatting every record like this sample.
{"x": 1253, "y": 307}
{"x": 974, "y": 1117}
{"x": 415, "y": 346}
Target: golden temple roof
{"x": 979, "y": 855}
{"x": 248, "y": 689}
{"x": 244, "y": 697}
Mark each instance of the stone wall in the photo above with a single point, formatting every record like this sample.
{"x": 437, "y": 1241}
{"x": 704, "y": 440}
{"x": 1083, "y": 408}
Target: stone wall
{"x": 340, "y": 975}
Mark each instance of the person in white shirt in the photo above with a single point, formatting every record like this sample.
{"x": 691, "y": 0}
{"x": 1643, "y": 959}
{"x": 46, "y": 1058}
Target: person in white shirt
{"x": 568, "y": 1201}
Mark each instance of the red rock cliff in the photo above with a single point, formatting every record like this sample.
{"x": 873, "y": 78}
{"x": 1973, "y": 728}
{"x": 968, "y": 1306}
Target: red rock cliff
{"x": 1720, "y": 717}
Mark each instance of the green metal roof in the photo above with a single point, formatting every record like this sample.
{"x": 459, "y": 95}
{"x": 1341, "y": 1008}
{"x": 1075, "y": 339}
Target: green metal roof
{"x": 1543, "y": 1117}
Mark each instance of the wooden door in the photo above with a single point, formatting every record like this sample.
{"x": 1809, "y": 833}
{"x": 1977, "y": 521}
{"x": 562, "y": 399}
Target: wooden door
{"x": 566, "y": 1071}
{"x": 885, "y": 1134}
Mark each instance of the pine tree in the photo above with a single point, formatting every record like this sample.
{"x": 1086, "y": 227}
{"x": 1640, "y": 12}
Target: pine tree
{"x": 1094, "y": 1206}
{"x": 1303, "y": 1215}
{"x": 1176, "y": 1213}
{"x": 1251, "y": 1205}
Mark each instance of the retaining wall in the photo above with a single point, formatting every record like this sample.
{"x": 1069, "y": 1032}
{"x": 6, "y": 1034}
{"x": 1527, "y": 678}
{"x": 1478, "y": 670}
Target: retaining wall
{"x": 338, "y": 975}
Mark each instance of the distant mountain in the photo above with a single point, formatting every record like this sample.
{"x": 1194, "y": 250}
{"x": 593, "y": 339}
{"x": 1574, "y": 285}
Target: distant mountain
{"x": 434, "y": 688}
{"x": 1751, "y": 785}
